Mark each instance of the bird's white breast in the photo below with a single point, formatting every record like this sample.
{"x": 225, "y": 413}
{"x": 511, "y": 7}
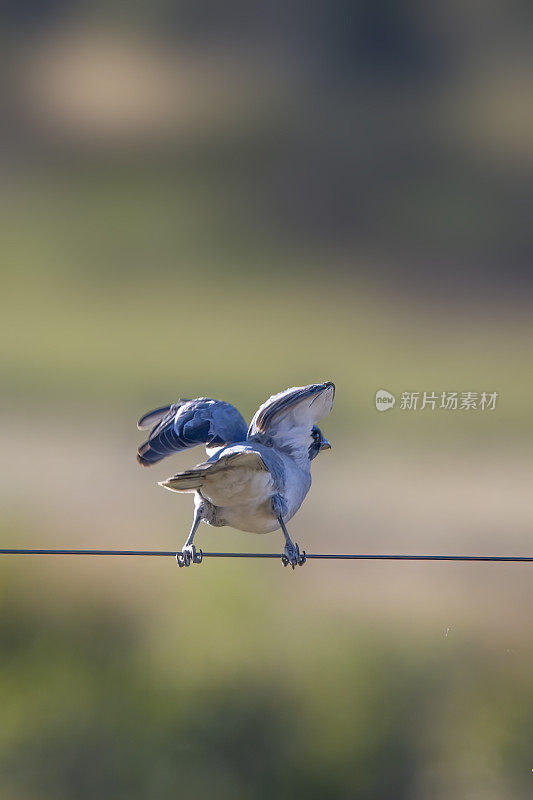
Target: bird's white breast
{"x": 256, "y": 515}
{"x": 251, "y": 517}
{"x": 243, "y": 496}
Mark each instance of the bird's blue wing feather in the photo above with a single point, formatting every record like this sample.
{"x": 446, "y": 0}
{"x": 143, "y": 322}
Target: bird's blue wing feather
{"x": 189, "y": 423}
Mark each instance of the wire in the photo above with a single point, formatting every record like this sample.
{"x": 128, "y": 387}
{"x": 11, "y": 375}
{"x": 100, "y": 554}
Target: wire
{"x": 327, "y": 556}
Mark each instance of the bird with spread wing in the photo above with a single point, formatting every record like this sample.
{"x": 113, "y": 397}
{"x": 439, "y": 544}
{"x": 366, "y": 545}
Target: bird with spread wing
{"x": 255, "y": 479}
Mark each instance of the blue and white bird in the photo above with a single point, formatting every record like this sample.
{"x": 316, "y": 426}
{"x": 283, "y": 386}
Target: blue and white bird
{"x": 255, "y": 479}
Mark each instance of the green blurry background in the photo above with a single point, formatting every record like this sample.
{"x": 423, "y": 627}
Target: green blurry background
{"x": 224, "y": 199}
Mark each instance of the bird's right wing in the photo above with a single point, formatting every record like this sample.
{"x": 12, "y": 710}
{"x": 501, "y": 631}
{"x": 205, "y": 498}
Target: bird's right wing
{"x": 286, "y": 420}
{"x": 188, "y": 423}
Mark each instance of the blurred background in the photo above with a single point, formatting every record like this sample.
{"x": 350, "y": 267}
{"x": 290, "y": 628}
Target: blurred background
{"x": 227, "y": 199}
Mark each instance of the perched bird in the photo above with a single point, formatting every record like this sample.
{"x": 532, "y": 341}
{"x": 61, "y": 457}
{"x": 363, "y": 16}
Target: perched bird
{"x": 255, "y": 479}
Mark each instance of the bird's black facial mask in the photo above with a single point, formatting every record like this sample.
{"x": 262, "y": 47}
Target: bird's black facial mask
{"x": 319, "y": 443}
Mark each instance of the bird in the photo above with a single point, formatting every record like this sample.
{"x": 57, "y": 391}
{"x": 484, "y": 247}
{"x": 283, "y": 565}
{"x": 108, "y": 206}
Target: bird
{"x": 256, "y": 477}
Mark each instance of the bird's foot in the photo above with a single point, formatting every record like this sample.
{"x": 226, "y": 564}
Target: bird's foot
{"x": 189, "y": 555}
{"x": 291, "y": 555}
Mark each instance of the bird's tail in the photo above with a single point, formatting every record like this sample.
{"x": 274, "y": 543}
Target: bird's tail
{"x": 187, "y": 481}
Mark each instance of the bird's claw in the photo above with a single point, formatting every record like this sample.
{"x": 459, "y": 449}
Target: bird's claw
{"x": 189, "y": 555}
{"x": 291, "y": 555}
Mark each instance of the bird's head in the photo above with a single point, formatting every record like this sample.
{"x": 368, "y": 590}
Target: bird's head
{"x": 319, "y": 442}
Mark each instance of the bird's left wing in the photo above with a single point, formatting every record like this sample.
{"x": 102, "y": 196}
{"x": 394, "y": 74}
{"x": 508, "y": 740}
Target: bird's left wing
{"x": 188, "y": 423}
{"x": 286, "y": 420}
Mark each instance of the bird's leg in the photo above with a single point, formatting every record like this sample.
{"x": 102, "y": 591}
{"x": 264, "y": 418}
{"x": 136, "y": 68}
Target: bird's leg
{"x": 188, "y": 554}
{"x": 291, "y": 554}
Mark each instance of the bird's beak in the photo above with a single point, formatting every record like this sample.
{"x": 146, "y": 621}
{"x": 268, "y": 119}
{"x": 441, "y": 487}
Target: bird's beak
{"x": 325, "y": 445}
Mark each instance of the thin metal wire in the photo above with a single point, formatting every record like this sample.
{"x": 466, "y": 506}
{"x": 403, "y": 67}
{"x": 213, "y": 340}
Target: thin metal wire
{"x": 328, "y": 556}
